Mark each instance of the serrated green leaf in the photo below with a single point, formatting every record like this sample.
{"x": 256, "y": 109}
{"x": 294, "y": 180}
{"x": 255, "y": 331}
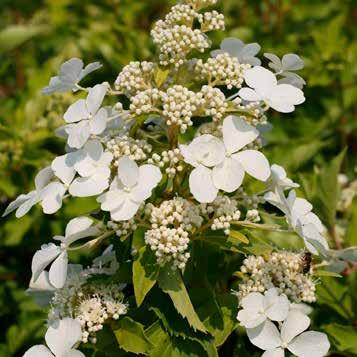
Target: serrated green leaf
{"x": 224, "y": 242}
{"x": 131, "y": 336}
{"x": 170, "y": 281}
{"x": 145, "y": 273}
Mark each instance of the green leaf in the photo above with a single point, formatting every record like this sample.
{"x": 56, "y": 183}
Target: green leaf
{"x": 223, "y": 241}
{"x": 170, "y": 281}
{"x": 335, "y": 294}
{"x": 326, "y": 273}
{"x": 15, "y": 35}
{"x": 351, "y": 237}
{"x": 138, "y": 239}
{"x": 343, "y": 337}
{"x": 240, "y": 237}
{"x": 145, "y": 273}
{"x": 160, "y": 76}
{"x": 327, "y": 191}
{"x": 131, "y": 336}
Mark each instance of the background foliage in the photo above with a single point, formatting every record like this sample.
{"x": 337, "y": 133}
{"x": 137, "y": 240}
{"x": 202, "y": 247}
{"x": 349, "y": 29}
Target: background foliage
{"x": 37, "y": 36}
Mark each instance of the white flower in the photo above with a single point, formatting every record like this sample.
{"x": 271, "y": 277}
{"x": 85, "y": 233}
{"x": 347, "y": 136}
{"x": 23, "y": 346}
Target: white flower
{"x": 279, "y": 179}
{"x": 265, "y": 87}
{"x": 86, "y": 117}
{"x": 77, "y": 228}
{"x": 71, "y": 72}
{"x": 94, "y": 169}
{"x": 258, "y": 307}
{"x": 219, "y": 165}
{"x": 302, "y": 344}
{"x": 61, "y": 337}
{"x": 284, "y": 67}
{"x": 49, "y": 193}
{"x": 301, "y": 219}
{"x": 129, "y": 189}
{"x": 236, "y": 48}
{"x": 41, "y": 289}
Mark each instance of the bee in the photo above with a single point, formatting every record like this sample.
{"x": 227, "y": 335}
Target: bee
{"x": 306, "y": 259}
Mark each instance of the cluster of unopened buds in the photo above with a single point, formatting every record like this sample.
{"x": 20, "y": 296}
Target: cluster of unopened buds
{"x": 171, "y": 225}
{"x": 283, "y": 270}
{"x": 136, "y": 150}
{"x": 170, "y": 160}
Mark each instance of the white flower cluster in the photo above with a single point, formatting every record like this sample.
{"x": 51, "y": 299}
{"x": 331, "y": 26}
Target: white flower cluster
{"x": 171, "y": 224}
{"x": 135, "y": 149}
{"x": 224, "y": 210}
{"x": 273, "y": 325}
{"x": 214, "y": 102}
{"x": 283, "y": 270}
{"x": 96, "y": 305}
{"x": 90, "y": 303}
{"x": 211, "y": 21}
{"x": 222, "y": 70}
{"x": 175, "y": 35}
{"x": 179, "y": 105}
{"x": 145, "y": 101}
{"x": 170, "y": 160}
{"x": 135, "y": 77}
{"x": 123, "y": 228}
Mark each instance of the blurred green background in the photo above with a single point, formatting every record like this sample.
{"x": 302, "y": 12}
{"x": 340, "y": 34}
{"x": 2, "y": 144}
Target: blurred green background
{"x": 37, "y": 36}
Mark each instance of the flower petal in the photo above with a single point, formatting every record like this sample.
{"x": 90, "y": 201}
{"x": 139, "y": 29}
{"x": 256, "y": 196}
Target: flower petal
{"x": 70, "y": 70}
{"x": 128, "y": 171}
{"x": 276, "y": 307}
{"x": 51, "y": 197}
{"x": 260, "y": 78}
{"x": 112, "y": 199}
{"x": 295, "y": 323}
{"x": 62, "y": 335}
{"x": 20, "y": 200}
{"x": 277, "y": 352}
{"x": 95, "y": 98}
{"x": 249, "y": 94}
{"x": 311, "y": 344}
{"x": 265, "y": 336}
{"x": 253, "y": 301}
{"x": 284, "y": 97}
{"x": 292, "y": 62}
{"x": 43, "y": 257}
{"x": 78, "y": 134}
{"x": 254, "y": 163}
{"x": 63, "y": 166}
{"x": 207, "y": 150}
{"x": 75, "y": 353}
{"x": 43, "y": 178}
{"x": 126, "y": 211}
{"x": 149, "y": 177}
{"x": 228, "y": 176}
{"x": 76, "y": 112}
{"x": 88, "y": 69}
{"x": 38, "y": 351}
{"x": 92, "y": 185}
{"x": 99, "y": 122}
{"x": 250, "y": 318}
{"x": 237, "y": 133}
{"x": 58, "y": 271}
{"x": 201, "y": 185}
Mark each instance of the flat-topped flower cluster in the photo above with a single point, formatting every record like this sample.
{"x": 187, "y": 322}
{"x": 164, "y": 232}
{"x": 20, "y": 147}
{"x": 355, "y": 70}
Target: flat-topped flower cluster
{"x": 175, "y": 161}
